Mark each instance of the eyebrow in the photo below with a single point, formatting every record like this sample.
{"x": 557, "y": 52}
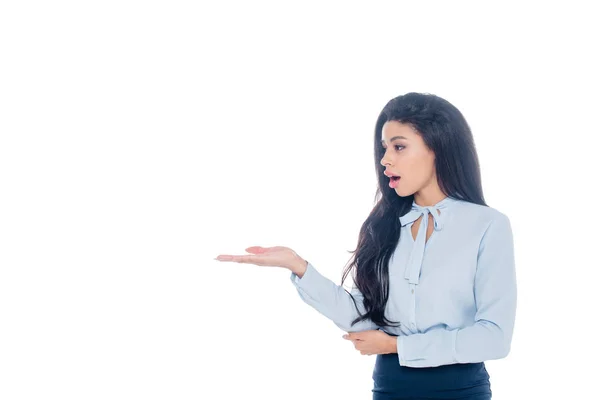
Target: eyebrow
{"x": 392, "y": 139}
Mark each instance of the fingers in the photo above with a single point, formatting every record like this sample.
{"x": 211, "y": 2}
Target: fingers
{"x": 227, "y": 257}
{"x": 245, "y": 259}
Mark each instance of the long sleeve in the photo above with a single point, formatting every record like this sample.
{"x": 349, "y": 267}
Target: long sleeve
{"x": 331, "y": 300}
{"x": 495, "y": 291}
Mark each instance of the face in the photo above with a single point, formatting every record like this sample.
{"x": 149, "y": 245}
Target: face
{"x": 407, "y": 157}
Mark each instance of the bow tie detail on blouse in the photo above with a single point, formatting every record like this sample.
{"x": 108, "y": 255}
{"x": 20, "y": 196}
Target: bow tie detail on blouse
{"x": 413, "y": 268}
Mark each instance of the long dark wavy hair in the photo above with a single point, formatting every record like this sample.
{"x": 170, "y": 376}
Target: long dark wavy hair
{"x": 446, "y": 132}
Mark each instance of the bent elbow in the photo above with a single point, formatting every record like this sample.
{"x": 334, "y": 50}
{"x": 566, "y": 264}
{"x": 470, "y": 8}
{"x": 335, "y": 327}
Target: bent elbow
{"x": 499, "y": 344}
{"x": 505, "y": 349}
{"x": 503, "y": 345}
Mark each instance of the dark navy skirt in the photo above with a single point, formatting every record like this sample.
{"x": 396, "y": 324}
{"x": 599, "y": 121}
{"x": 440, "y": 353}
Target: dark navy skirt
{"x": 453, "y": 381}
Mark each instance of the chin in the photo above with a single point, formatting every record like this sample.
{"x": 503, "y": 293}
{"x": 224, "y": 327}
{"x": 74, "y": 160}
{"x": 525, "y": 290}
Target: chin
{"x": 404, "y": 193}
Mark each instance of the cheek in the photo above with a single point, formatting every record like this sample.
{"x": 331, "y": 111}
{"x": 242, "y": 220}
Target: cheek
{"x": 412, "y": 164}
{"x": 417, "y": 167}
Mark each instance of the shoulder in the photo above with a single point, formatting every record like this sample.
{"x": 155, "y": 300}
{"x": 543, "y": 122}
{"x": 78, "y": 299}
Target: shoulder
{"x": 481, "y": 218}
{"x": 486, "y": 213}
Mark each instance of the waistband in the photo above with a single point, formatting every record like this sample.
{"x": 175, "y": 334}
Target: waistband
{"x": 388, "y": 368}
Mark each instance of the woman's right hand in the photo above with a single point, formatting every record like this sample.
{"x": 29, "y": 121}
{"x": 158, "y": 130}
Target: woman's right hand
{"x": 277, "y": 256}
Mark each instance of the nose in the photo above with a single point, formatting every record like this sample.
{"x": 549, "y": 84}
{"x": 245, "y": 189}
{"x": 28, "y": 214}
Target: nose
{"x": 384, "y": 162}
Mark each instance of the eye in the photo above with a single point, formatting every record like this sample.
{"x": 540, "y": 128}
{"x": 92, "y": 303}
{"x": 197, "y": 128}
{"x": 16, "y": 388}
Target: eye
{"x": 395, "y": 146}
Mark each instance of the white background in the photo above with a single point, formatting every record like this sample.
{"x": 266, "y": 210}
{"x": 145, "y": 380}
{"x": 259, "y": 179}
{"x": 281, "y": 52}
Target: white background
{"x": 139, "y": 140}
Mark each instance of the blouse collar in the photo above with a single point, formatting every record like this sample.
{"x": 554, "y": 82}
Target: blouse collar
{"x": 413, "y": 269}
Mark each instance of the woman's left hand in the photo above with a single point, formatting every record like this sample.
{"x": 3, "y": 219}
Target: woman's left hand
{"x": 372, "y": 342}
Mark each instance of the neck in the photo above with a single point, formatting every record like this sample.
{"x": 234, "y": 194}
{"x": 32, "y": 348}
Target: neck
{"x": 429, "y": 197}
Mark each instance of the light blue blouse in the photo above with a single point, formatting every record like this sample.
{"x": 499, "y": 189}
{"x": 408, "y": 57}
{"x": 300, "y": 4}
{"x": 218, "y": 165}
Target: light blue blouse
{"x": 455, "y": 295}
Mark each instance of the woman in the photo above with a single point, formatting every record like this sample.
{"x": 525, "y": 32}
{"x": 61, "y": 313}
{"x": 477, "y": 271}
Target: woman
{"x": 435, "y": 290}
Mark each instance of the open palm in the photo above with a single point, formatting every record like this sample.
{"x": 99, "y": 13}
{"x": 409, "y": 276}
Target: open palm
{"x": 277, "y": 256}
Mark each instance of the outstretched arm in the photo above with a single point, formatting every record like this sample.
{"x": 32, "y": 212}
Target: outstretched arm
{"x": 330, "y": 299}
